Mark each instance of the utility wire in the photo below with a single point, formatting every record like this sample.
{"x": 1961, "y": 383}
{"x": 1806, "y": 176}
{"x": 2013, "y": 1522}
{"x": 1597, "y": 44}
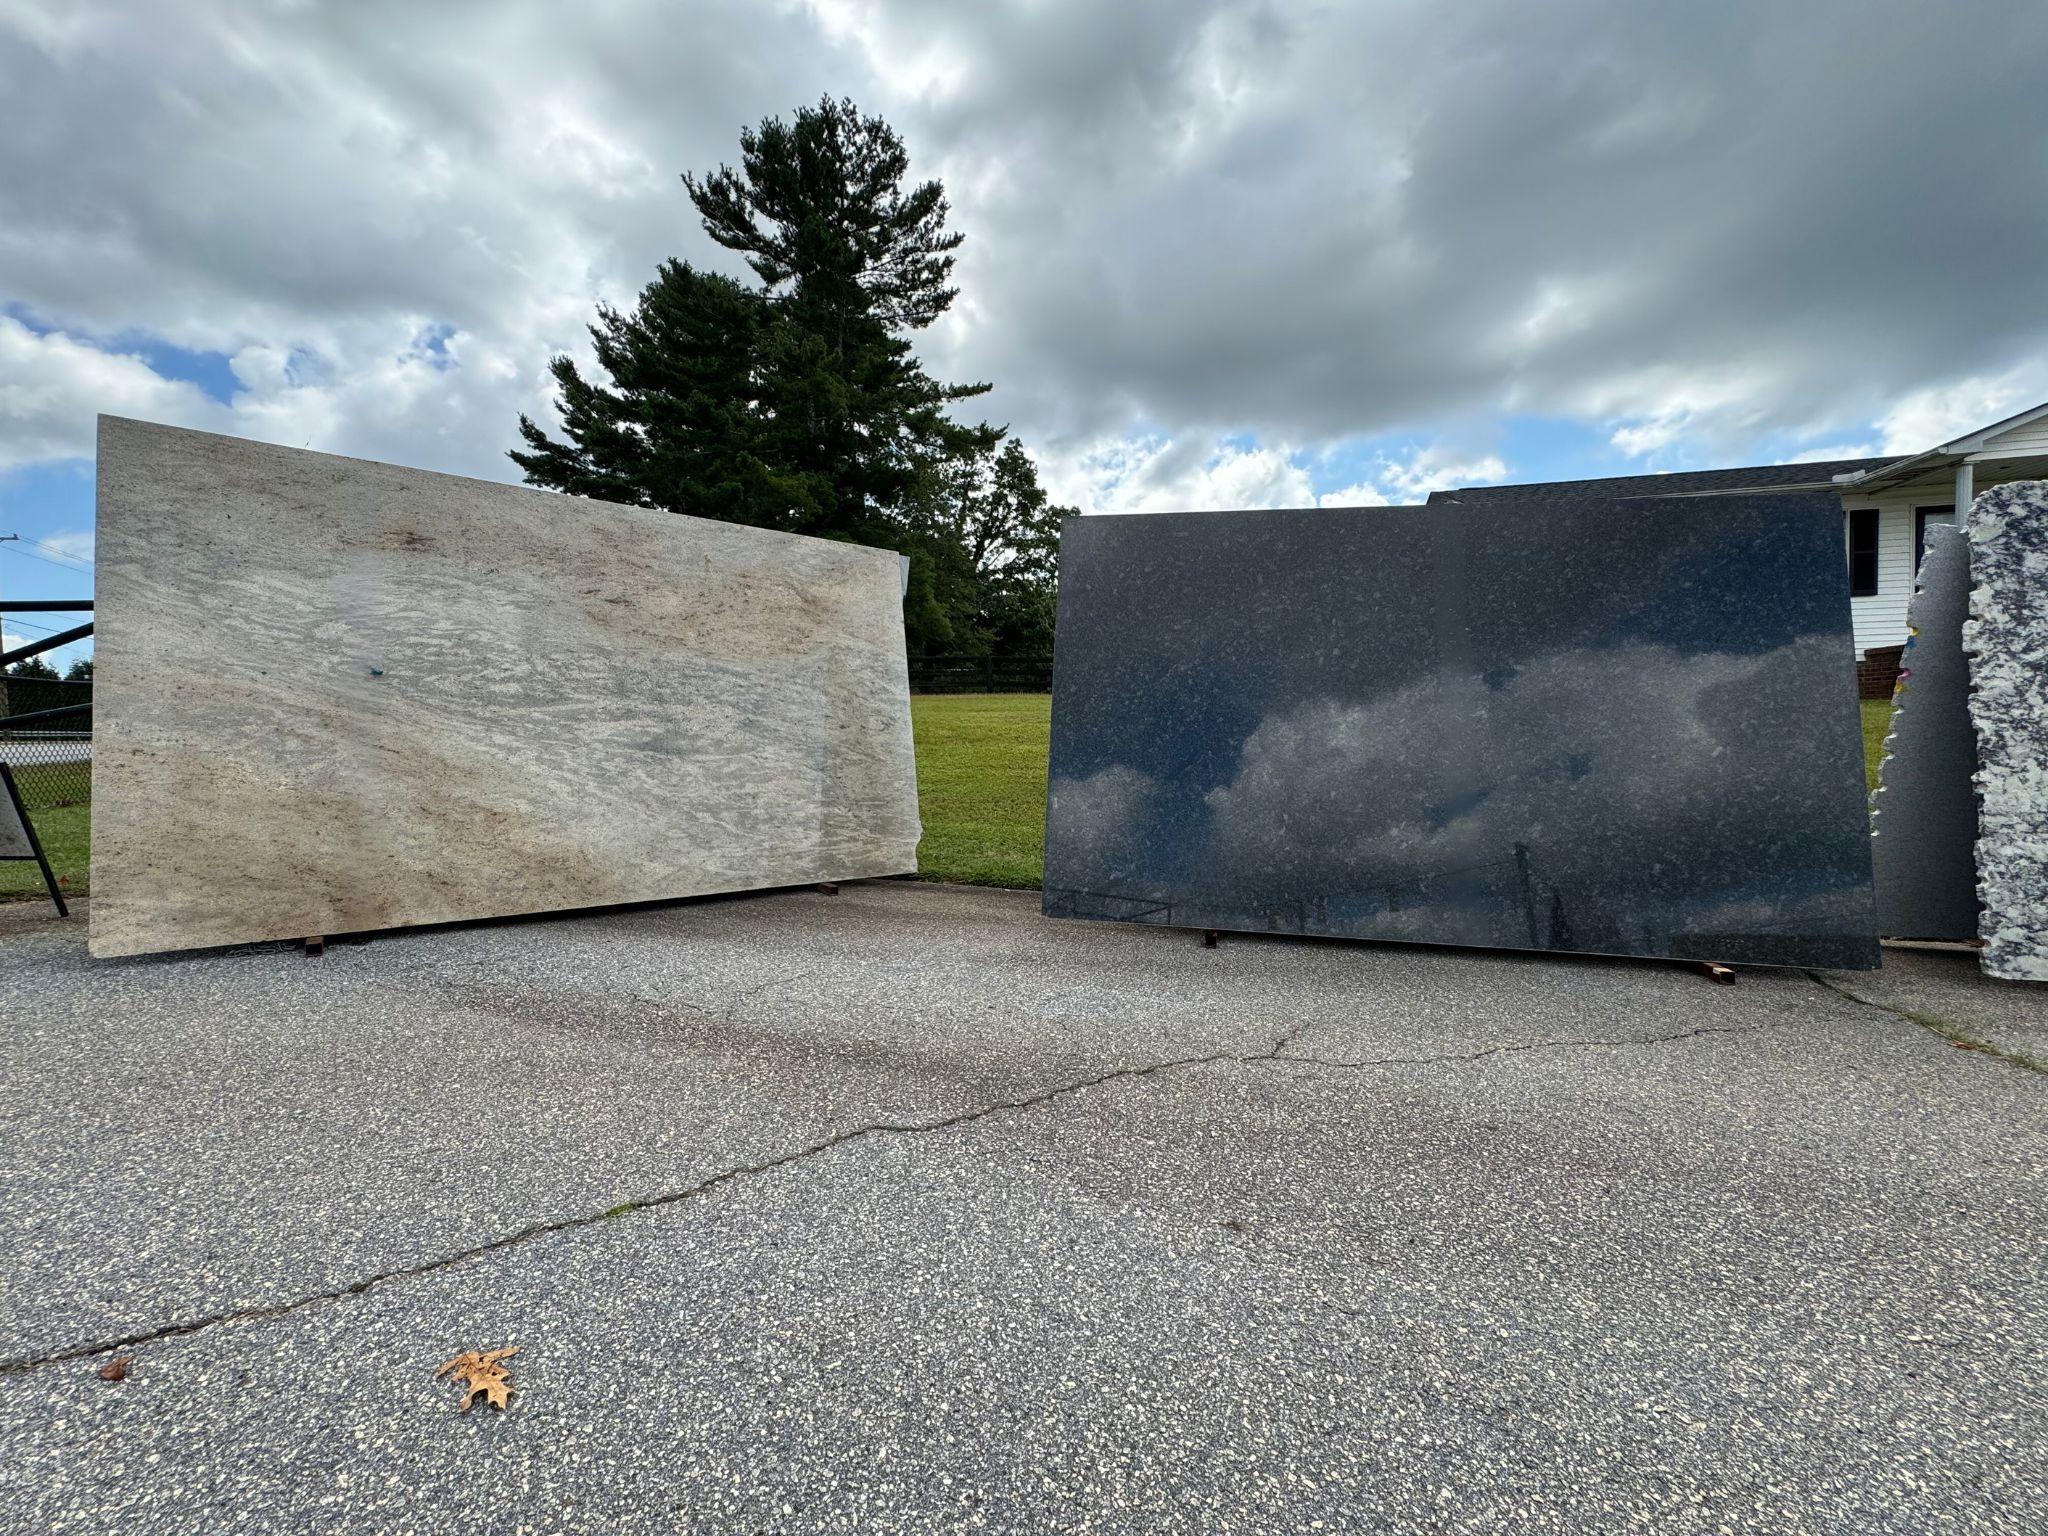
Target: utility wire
{"x": 61, "y": 554}
{"x": 41, "y": 629}
{"x": 62, "y": 565}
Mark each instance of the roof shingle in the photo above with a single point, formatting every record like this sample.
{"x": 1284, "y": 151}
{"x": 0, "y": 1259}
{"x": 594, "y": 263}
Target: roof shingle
{"x": 1684, "y": 482}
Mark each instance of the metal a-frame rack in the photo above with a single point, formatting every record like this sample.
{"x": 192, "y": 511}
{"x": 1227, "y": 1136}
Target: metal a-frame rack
{"x": 14, "y": 805}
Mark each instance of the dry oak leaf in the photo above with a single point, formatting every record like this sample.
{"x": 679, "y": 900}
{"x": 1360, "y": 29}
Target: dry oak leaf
{"x": 480, "y": 1371}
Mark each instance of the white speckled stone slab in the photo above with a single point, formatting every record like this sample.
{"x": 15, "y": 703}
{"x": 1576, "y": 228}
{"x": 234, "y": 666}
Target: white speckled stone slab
{"x": 2006, "y": 639}
{"x": 1924, "y": 815}
{"x": 335, "y": 696}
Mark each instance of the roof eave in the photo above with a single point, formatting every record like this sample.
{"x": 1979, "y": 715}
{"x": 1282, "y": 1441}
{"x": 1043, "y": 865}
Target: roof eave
{"x": 1942, "y": 455}
{"x": 1894, "y": 474}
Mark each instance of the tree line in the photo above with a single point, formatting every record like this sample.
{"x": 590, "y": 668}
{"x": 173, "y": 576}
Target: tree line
{"x": 796, "y": 401}
{"x": 80, "y": 671}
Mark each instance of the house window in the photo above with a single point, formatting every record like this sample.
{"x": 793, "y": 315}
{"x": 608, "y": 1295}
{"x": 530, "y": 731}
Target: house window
{"x": 1863, "y": 552}
{"x": 1922, "y": 516}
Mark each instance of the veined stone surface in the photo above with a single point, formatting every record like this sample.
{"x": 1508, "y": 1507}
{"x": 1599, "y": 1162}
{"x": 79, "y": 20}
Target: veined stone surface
{"x": 335, "y": 696}
{"x": 1924, "y": 815}
{"x": 2006, "y": 639}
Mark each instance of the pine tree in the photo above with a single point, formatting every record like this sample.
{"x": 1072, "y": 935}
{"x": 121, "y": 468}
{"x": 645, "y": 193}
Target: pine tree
{"x": 852, "y": 262}
{"x": 800, "y": 404}
{"x": 677, "y": 428}
{"x": 819, "y": 211}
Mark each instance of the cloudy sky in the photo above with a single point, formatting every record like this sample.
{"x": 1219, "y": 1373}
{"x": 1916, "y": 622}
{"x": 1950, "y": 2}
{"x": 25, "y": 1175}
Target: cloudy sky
{"x": 1219, "y": 253}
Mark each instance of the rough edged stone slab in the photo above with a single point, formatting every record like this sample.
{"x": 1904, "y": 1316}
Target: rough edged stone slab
{"x": 2006, "y": 639}
{"x": 335, "y": 696}
{"x": 1598, "y": 727}
{"x": 1924, "y": 815}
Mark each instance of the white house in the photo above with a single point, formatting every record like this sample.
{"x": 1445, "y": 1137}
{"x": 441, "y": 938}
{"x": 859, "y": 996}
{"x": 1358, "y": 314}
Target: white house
{"x": 1886, "y": 503}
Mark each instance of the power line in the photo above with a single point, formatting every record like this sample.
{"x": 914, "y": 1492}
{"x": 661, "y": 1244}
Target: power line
{"x": 44, "y": 545}
{"x": 62, "y": 565}
{"x": 15, "y": 538}
{"x": 61, "y": 554}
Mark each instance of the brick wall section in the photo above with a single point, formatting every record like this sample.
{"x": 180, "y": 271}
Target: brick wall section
{"x": 1878, "y": 671}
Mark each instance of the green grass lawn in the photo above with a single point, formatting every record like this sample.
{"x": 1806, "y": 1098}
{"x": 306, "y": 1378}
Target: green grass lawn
{"x": 980, "y": 788}
{"x": 1877, "y": 719}
{"x": 66, "y": 833}
{"x": 65, "y": 829}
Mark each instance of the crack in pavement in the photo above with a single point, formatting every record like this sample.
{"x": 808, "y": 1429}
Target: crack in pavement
{"x": 1508, "y": 1050}
{"x": 744, "y": 995}
{"x": 1961, "y": 1039}
{"x": 1273, "y": 1054}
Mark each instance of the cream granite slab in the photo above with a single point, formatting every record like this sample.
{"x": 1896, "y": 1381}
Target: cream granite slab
{"x": 335, "y": 695}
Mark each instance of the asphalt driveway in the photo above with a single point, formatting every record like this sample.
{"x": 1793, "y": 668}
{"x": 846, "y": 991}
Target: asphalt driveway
{"x": 908, "y": 1210}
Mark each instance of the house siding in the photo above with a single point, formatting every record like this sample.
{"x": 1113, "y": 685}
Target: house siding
{"x": 1881, "y": 620}
{"x": 2031, "y": 438}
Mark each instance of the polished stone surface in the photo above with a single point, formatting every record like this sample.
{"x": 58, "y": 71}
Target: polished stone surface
{"x": 2006, "y": 639}
{"x": 334, "y": 696}
{"x": 1624, "y": 727}
{"x": 1924, "y": 815}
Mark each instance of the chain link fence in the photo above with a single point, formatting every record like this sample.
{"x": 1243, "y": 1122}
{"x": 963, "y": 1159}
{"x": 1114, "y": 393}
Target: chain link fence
{"x": 51, "y": 769}
{"x": 51, "y": 762}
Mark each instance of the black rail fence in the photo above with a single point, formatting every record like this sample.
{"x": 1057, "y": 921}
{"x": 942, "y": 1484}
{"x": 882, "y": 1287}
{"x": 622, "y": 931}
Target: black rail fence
{"x": 51, "y": 758}
{"x": 981, "y": 674}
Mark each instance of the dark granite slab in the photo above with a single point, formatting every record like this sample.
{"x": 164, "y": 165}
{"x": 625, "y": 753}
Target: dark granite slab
{"x": 1604, "y": 727}
{"x": 1923, "y": 817}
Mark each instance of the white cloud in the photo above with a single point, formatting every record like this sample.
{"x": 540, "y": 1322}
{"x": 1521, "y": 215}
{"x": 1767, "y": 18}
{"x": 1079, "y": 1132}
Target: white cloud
{"x": 1157, "y": 474}
{"x": 1928, "y": 417}
{"x": 1656, "y": 409}
{"x": 1830, "y": 451}
{"x": 384, "y": 394}
{"x": 312, "y": 191}
{"x": 1647, "y": 437}
{"x": 1363, "y": 494}
{"x": 1434, "y": 469}
{"x": 52, "y": 386}
{"x": 1163, "y": 475}
{"x": 1293, "y": 244}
